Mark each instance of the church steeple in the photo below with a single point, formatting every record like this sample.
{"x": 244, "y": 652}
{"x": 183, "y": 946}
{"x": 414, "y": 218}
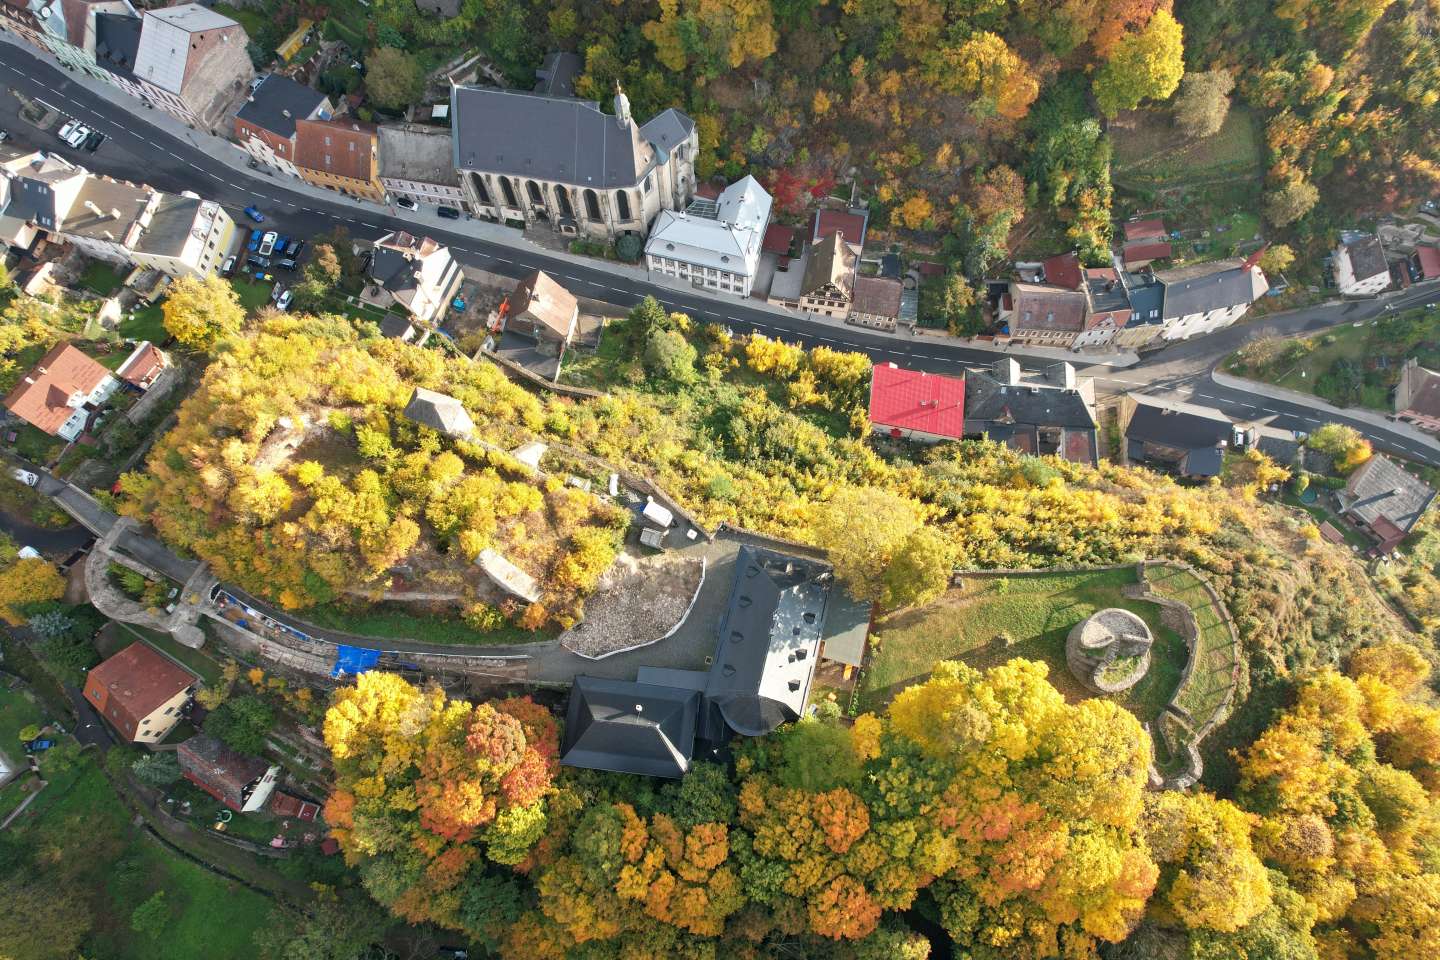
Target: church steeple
{"x": 622, "y": 106}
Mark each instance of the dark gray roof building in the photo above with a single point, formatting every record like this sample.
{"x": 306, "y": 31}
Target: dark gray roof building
{"x": 117, "y": 40}
{"x": 1052, "y": 414}
{"x": 1367, "y": 257}
{"x": 1191, "y": 438}
{"x": 1188, "y": 291}
{"x": 847, "y": 627}
{"x": 170, "y": 224}
{"x": 1386, "y": 498}
{"x": 1147, "y": 299}
{"x": 277, "y": 103}
{"x": 439, "y": 412}
{"x": 628, "y": 727}
{"x": 667, "y": 130}
{"x": 556, "y": 76}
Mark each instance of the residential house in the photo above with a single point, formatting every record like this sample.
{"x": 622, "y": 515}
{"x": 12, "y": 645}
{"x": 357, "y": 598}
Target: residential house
{"x": 418, "y": 162}
{"x": 439, "y": 412}
{"x": 144, "y": 365}
{"x": 1187, "y": 438}
{"x": 192, "y": 63}
{"x": 914, "y": 405}
{"x": 339, "y": 155}
{"x": 560, "y": 161}
{"x": 875, "y": 303}
{"x": 415, "y": 273}
{"x": 719, "y": 251}
{"x": 1360, "y": 268}
{"x": 1049, "y": 415}
{"x": 185, "y": 237}
{"x": 824, "y": 280}
{"x": 140, "y": 692}
{"x": 61, "y": 392}
{"x": 397, "y": 327}
{"x": 106, "y": 218}
{"x": 767, "y": 646}
{"x": 1063, "y": 304}
{"x": 850, "y": 224}
{"x": 1417, "y": 396}
{"x": 1425, "y": 263}
{"x": 627, "y": 727}
{"x": 66, "y": 29}
{"x": 542, "y": 309}
{"x": 1386, "y": 500}
{"x": 242, "y": 783}
{"x": 1142, "y": 253}
{"x": 1045, "y": 314}
{"x": 1144, "y": 230}
{"x": 35, "y": 188}
{"x": 265, "y": 125}
{"x": 1206, "y": 297}
{"x": 117, "y": 48}
{"x": 1147, "y": 303}
{"x": 1109, "y": 308}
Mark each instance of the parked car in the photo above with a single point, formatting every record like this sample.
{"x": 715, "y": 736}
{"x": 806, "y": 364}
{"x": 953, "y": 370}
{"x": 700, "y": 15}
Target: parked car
{"x": 405, "y": 203}
{"x": 227, "y": 269}
{"x": 282, "y": 302}
{"x": 259, "y": 263}
{"x": 281, "y": 242}
{"x": 254, "y": 214}
{"x": 93, "y": 141}
{"x": 78, "y": 136}
{"x": 448, "y": 213}
{"x": 67, "y": 130}
{"x": 4, "y": 135}
{"x": 286, "y": 264}
{"x": 293, "y": 250}
{"x": 38, "y": 745}
{"x": 25, "y": 477}
{"x": 267, "y": 244}
{"x": 254, "y": 243}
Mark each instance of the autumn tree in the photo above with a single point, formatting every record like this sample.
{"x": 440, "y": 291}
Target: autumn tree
{"x": 1342, "y": 443}
{"x": 984, "y": 66}
{"x": 198, "y": 312}
{"x": 1203, "y": 102}
{"x": 1146, "y": 65}
{"x": 1210, "y": 875}
{"x": 1275, "y": 258}
{"x": 712, "y": 36}
{"x": 31, "y": 580}
{"x": 393, "y": 78}
{"x": 879, "y": 548}
{"x": 1290, "y": 201}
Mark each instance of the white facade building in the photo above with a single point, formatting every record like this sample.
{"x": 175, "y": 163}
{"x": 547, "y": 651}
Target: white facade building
{"x": 1204, "y": 299}
{"x": 720, "y": 252}
{"x": 1360, "y": 268}
{"x": 418, "y": 162}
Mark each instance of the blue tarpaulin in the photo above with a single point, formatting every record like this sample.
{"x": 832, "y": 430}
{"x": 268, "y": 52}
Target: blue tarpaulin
{"x": 354, "y": 660}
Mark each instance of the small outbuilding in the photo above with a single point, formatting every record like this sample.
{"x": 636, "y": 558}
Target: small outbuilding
{"x": 439, "y": 412}
{"x": 242, "y": 783}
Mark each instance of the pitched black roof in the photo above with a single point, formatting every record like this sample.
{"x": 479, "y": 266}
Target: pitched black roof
{"x": 1187, "y": 295}
{"x": 556, "y": 76}
{"x": 769, "y": 638}
{"x": 273, "y": 99}
{"x": 1046, "y": 405}
{"x": 628, "y": 727}
{"x": 1147, "y": 299}
{"x": 117, "y": 40}
{"x": 1179, "y": 425}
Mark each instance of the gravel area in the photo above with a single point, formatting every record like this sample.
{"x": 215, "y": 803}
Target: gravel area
{"x": 638, "y": 601}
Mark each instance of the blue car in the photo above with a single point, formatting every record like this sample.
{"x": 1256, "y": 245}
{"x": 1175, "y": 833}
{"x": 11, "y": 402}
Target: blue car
{"x": 281, "y": 242}
{"x": 254, "y": 243}
{"x": 38, "y": 745}
{"x": 254, "y": 214}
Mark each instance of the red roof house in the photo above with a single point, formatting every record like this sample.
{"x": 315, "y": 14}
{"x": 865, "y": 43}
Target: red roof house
{"x": 240, "y": 782}
{"x": 58, "y": 395}
{"x": 916, "y": 405}
{"x": 143, "y": 367}
{"x": 1145, "y": 230}
{"x": 1063, "y": 271}
{"x": 1429, "y": 260}
{"x": 850, "y": 225}
{"x": 140, "y": 692}
{"x": 1139, "y": 254}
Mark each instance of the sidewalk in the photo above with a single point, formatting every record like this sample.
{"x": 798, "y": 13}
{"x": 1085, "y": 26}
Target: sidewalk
{"x": 1369, "y": 417}
{"x": 255, "y": 181}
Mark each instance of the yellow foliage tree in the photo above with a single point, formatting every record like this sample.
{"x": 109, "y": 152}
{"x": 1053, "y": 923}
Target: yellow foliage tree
{"x": 712, "y": 36}
{"x": 31, "y": 580}
{"x": 200, "y": 312}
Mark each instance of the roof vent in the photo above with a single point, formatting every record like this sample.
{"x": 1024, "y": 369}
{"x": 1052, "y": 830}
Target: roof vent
{"x": 727, "y": 671}
{"x": 736, "y": 636}
{"x": 639, "y": 708}
{"x": 794, "y": 686}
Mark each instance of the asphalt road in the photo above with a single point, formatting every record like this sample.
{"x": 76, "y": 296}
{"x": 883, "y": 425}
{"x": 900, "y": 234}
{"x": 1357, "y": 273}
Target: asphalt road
{"x": 137, "y": 150}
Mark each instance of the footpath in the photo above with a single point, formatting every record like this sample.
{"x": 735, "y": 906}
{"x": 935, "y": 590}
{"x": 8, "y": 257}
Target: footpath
{"x": 269, "y": 186}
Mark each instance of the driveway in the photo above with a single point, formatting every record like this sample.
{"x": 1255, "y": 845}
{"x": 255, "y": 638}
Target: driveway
{"x": 90, "y": 730}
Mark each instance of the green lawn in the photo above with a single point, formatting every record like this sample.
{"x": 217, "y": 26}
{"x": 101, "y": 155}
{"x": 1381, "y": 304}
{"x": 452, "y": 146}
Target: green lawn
{"x": 102, "y": 278}
{"x": 117, "y": 636}
{"x": 1036, "y": 612}
{"x": 1204, "y": 693}
{"x": 1148, "y": 148}
{"x": 386, "y": 621}
{"x": 252, "y": 20}
{"x": 147, "y": 323}
{"x": 1322, "y": 515}
{"x": 87, "y": 830}
{"x": 252, "y": 295}
{"x": 18, "y": 709}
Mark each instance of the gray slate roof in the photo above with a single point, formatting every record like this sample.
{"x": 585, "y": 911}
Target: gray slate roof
{"x": 270, "y": 101}
{"x": 628, "y": 727}
{"x": 170, "y": 225}
{"x": 1367, "y": 258}
{"x": 1170, "y": 423}
{"x": 439, "y": 412}
{"x": 1381, "y": 488}
{"x": 847, "y": 625}
{"x": 556, "y": 76}
{"x": 548, "y": 138}
{"x": 768, "y": 641}
{"x": 1147, "y": 299}
{"x": 117, "y": 41}
{"x": 667, "y": 130}
{"x": 987, "y": 399}
{"x": 1186, "y": 294}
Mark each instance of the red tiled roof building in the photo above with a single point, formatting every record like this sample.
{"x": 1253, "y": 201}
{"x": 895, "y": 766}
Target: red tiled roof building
{"x": 915, "y": 405}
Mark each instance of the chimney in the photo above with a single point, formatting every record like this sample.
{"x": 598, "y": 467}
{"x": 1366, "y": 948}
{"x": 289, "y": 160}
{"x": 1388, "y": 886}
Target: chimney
{"x": 94, "y": 208}
{"x": 285, "y": 114}
{"x": 114, "y": 213}
{"x": 42, "y": 370}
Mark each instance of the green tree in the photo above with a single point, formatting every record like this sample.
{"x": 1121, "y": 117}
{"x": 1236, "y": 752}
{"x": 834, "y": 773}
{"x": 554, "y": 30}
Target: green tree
{"x": 201, "y": 312}
{"x": 41, "y": 920}
{"x": 393, "y": 78}
{"x": 874, "y": 540}
{"x": 152, "y": 917}
{"x": 337, "y": 926}
{"x": 712, "y": 37}
{"x": 242, "y": 724}
{"x": 1342, "y": 443}
{"x": 1290, "y": 202}
{"x": 156, "y": 769}
{"x": 669, "y": 356}
{"x": 1143, "y": 66}
{"x": 1203, "y": 102}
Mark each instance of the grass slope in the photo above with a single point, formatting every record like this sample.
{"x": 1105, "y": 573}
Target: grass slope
{"x": 1036, "y": 612}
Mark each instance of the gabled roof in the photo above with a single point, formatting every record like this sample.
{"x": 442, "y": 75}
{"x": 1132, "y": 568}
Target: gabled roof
{"x": 548, "y": 138}
{"x": 847, "y": 627}
{"x": 629, "y": 727}
{"x": 877, "y": 296}
{"x": 42, "y": 396}
{"x": 1037, "y": 402}
{"x": 1144, "y": 251}
{"x": 348, "y": 154}
{"x": 915, "y": 400}
{"x": 850, "y": 225}
{"x": 667, "y": 130}
{"x": 1418, "y": 391}
{"x": 1380, "y": 490}
{"x": 222, "y": 772}
{"x": 142, "y": 364}
{"x": 1063, "y": 270}
{"x": 1367, "y": 257}
{"x": 768, "y": 641}
{"x": 831, "y": 261}
{"x": 730, "y": 241}
{"x": 1107, "y": 292}
{"x": 134, "y": 683}
{"x": 1144, "y": 230}
{"x": 277, "y": 103}
{"x": 778, "y": 238}
{"x": 439, "y": 412}
{"x": 1205, "y": 287}
{"x": 1174, "y": 423}
{"x": 1044, "y": 307}
{"x": 546, "y": 301}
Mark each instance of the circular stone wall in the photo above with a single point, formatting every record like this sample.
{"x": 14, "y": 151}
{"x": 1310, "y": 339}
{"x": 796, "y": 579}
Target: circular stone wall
{"x": 1109, "y": 651}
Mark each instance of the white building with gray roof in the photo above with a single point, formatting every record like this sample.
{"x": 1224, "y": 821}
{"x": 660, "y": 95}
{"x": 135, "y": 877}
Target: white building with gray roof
{"x": 719, "y": 251}
{"x": 557, "y": 160}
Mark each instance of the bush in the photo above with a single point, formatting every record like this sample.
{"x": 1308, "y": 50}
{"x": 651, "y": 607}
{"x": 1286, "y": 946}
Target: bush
{"x": 242, "y": 723}
{"x": 628, "y": 248}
